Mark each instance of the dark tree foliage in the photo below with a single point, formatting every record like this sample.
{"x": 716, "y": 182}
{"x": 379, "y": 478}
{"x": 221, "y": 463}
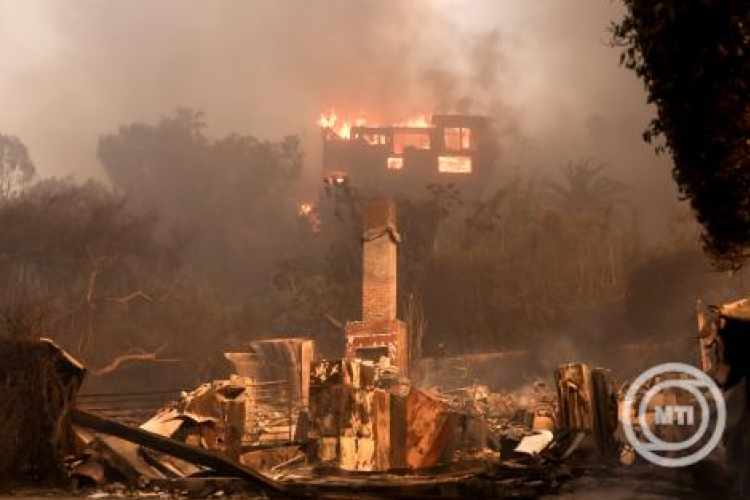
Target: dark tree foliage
{"x": 232, "y": 195}
{"x": 694, "y": 59}
{"x": 80, "y": 264}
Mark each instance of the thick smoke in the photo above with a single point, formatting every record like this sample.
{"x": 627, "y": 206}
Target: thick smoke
{"x": 74, "y": 70}
{"x": 542, "y": 69}
{"x": 266, "y": 68}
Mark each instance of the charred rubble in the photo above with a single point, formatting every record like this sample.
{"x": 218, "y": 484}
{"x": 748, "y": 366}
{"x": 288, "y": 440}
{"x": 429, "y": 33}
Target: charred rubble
{"x": 288, "y": 424}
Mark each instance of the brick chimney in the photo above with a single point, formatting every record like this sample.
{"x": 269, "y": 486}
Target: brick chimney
{"x": 379, "y": 333}
{"x": 380, "y": 246}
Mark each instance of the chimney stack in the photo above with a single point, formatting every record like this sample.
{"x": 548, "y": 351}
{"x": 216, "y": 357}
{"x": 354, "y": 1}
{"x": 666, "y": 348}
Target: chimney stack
{"x": 380, "y": 246}
{"x": 379, "y": 333}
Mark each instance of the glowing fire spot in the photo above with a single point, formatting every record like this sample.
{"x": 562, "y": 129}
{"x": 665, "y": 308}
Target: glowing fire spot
{"x": 419, "y": 121}
{"x": 327, "y": 120}
{"x": 343, "y": 127}
{"x": 335, "y": 177}
{"x": 454, "y": 164}
{"x": 395, "y": 163}
{"x": 305, "y": 209}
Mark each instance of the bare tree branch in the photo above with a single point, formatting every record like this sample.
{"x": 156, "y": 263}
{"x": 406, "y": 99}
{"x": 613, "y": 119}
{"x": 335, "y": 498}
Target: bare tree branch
{"x": 139, "y": 294}
{"x": 123, "y": 359}
{"x": 338, "y": 324}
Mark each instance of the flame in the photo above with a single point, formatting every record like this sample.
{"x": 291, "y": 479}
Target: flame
{"x": 343, "y": 128}
{"x": 395, "y": 163}
{"x": 308, "y": 210}
{"x": 327, "y": 120}
{"x": 305, "y": 209}
{"x": 419, "y": 121}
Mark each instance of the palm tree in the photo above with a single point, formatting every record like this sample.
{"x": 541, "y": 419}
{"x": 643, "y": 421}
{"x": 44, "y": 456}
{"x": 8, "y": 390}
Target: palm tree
{"x": 585, "y": 189}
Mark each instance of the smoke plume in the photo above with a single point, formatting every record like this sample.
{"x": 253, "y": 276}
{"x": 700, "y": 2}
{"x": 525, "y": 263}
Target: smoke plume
{"x": 74, "y": 70}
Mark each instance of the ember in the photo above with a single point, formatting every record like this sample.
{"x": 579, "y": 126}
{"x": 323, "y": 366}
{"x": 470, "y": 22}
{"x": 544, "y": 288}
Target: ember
{"x": 305, "y": 209}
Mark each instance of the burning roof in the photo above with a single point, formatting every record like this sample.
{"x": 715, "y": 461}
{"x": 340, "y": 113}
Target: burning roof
{"x": 416, "y": 151}
{"x": 342, "y": 127}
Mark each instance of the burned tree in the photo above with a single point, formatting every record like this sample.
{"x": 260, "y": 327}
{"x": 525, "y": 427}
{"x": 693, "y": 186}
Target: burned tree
{"x": 81, "y": 265}
{"x": 232, "y": 195}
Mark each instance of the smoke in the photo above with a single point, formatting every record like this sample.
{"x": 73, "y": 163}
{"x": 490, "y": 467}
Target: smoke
{"x": 542, "y": 69}
{"x": 77, "y": 69}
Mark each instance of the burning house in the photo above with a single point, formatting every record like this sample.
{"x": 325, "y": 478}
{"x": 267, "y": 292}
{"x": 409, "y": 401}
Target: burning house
{"x": 458, "y": 149}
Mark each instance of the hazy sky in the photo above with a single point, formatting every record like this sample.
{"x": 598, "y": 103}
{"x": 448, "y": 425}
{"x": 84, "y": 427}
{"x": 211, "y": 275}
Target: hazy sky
{"x": 75, "y": 69}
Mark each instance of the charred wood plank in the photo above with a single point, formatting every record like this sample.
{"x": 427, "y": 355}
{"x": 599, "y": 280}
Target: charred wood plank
{"x": 176, "y": 449}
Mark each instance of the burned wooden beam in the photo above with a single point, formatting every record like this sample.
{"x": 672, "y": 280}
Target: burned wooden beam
{"x": 176, "y": 449}
{"x": 587, "y": 406}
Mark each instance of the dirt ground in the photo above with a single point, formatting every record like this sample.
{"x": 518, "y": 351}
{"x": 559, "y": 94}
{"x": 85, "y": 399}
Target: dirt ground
{"x": 640, "y": 483}
{"x": 633, "y": 483}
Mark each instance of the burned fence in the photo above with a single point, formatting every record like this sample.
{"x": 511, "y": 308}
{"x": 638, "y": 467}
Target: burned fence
{"x": 130, "y": 408}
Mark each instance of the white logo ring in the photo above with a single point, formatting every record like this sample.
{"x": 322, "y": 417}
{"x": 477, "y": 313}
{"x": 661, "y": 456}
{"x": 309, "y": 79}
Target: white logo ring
{"x": 653, "y": 443}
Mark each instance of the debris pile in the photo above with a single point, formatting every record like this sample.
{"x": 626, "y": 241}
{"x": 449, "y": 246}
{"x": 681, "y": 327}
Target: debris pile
{"x": 249, "y": 419}
{"x": 363, "y": 426}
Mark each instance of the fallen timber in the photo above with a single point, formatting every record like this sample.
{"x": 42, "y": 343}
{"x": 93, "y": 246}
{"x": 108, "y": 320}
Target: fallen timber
{"x": 526, "y": 478}
{"x": 178, "y": 449}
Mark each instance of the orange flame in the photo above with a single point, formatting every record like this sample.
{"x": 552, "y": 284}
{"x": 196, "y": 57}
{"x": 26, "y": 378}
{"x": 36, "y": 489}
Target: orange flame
{"x": 309, "y": 211}
{"x": 327, "y": 120}
{"x": 343, "y": 128}
{"x": 418, "y": 121}
{"x": 304, "y": 209}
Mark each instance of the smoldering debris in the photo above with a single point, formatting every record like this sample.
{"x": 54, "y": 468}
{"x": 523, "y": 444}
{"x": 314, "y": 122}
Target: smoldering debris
{"x": 360, "y": 426}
